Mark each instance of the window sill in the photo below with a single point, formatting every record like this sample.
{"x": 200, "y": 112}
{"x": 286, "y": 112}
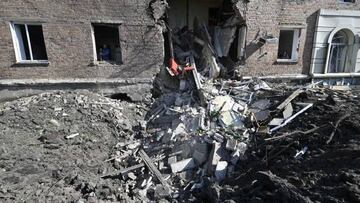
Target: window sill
{"x": 286, "y": 61}
{"x": 31, "y": 63}
{"x": 335, "y": 75}
{"x": 346, "y": 3}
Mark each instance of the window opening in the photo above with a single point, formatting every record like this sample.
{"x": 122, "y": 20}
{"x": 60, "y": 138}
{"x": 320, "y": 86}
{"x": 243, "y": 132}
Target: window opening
{"x": 288, "y": 44}
{"x": 347, "y": 1}
{"x": 107, "y": 43}
{"x": 29, "y": 42}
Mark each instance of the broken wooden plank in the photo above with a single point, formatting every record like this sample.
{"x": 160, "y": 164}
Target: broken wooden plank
{"x": 289, "y": 99}
{"x": 288, "y": 111}
{"x": 291, "y": 118}
{"x": 131, "y": 168}
{"x": 153, "y": 169}
{"x": 341, "y": 119}
{"x": 137, "y": 166}
{"x": 296, "y": 132}
{"x": 295, "y": 94}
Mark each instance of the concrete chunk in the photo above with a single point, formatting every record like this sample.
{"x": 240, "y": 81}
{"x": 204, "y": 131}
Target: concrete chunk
{"x": 180, "y": 129}
{"x": 231, "y": 144}
{"x": 288, "y": 112}
{"x": 183, "y": 165}
{"x": 220, "y": 171}
{"x": 218, "y": 137}
{"x": 261, "y": 104}
{"x": 214, "y": 157}
{"x": 132, "y": 176}
{"x": 276, "y": 121}
{"x": 199, "y": 157}
{"x": 201, "y": 153}
{"x": 172, "y": 160}
{"x": 262, "y": 115}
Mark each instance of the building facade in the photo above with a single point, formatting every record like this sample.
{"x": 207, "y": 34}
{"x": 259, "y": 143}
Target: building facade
{"x": 123, "y": 38}
{"x": 62, "y": 39}
{"x": 305, "y": 21}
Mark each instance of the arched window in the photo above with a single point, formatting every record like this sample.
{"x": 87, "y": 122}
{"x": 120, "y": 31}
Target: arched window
{"x": 340, "y": 51}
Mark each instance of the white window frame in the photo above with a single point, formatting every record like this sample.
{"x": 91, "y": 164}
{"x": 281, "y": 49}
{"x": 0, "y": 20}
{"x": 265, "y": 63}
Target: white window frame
{"x": 17, "y": 44}
{"x": 118, "y": 24}
{"x": 94, "y": 43}
{"x": 351, "y": 40}
{"x": 295, "y": 45}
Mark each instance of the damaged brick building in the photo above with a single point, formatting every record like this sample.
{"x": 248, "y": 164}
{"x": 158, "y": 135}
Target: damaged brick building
{"x": 64, "y": 40}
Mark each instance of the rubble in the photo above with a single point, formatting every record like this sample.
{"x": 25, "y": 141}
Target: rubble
{"x": 220, "y": 171}
{"x": 209, "y": 136}
{"x": 216, "y": 141}
{"x": 182, "y": 165}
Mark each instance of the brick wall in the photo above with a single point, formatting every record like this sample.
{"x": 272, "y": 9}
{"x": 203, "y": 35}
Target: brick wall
{"x": 67, "y": 34}
{"x": 266, "y": 16}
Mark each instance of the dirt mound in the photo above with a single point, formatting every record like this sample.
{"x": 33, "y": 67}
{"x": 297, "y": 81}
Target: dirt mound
{"x": 53, "y": 146}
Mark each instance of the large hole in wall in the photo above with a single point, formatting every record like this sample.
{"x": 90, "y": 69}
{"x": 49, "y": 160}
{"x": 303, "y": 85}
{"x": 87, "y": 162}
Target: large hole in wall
{"x": 219, "y": 24}
{"x": 182, "y": 13}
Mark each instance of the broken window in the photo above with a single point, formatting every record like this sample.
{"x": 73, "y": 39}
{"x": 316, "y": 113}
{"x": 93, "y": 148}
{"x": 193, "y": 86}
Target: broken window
{"x": 288, "y": 45}
{"x": 29, "y": 42}
{"x": 107, "y": 43}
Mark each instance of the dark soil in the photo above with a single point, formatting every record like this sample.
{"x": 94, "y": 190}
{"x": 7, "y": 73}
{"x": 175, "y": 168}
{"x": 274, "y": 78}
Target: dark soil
{"x": 326, "y": 173}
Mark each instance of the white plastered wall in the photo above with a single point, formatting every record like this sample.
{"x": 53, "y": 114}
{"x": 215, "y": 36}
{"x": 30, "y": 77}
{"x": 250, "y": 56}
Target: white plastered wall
{"x": 328, "y": 21}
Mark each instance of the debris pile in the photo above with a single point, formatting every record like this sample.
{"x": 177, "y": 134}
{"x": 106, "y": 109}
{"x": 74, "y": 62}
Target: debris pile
{"x": 214, "y": 50}
{"x": 198, "y": 141}
{"x": 241, "y": 141}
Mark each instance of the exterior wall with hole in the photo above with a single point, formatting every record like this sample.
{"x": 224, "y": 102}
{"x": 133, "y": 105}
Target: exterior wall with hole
{"x": 69, "y": 42}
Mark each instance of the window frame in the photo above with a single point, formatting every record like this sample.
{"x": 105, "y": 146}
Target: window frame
{"x": 117, "y": 24}
{"x": 16, "y": 43}
{"x": 295, "y": 45}
{"x": 349, "y": 44}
